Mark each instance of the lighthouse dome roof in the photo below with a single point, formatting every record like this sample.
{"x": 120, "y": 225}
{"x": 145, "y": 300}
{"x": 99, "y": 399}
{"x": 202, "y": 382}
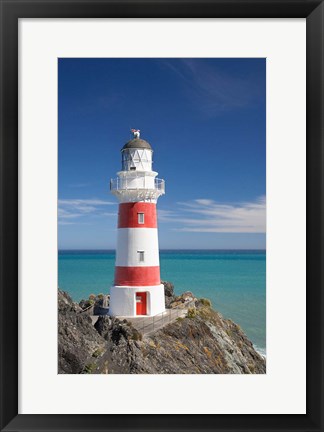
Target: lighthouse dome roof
{"x": 137, "y": 143}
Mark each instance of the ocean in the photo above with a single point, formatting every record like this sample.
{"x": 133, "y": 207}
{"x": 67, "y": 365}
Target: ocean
{"x": 234, "y": 281}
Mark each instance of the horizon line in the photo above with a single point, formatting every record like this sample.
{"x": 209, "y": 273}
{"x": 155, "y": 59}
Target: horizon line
{"x": 167, "y": 249}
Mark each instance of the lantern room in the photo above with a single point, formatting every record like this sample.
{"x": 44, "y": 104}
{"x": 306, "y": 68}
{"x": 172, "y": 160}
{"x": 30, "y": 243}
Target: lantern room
{"x": 137, "y": 155}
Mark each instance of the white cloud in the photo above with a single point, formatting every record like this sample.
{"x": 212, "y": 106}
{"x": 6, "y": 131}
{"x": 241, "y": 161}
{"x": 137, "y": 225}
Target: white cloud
{"x": 211, "y": 89}
{"x": 115, "y": 214}
{"x": 64, "y": 214}
{"x": 199, "y": 215}
{"x": 246, "y": 217}
{"x": 165, "y": 215}
{"x": 71, "y": 209}
{"x": 76, "y": 202}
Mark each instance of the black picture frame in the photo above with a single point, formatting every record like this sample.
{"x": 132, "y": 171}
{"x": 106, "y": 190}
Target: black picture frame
{"x": 11, "y": 12}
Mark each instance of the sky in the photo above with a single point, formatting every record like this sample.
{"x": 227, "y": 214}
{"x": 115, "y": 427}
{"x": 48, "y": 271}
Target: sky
{"x": 206, "y": 122}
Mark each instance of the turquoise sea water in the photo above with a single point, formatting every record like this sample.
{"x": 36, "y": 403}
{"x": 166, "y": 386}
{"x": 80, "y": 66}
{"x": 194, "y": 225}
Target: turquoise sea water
{"x": 235, "y": 281}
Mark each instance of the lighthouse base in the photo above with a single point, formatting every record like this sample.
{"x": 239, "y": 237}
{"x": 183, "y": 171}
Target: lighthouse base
{"x": 131, "y": 301}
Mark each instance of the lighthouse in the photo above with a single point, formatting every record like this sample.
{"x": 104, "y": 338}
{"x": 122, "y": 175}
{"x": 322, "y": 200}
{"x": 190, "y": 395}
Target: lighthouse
{"x": 137, "y": 289}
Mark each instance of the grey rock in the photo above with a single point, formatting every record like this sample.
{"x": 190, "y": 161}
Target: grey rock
{"x": 168, "y": 292}
{"x": 77, "y": 338}
{"x": 168, "y": 288}
{"x": 202, "y": 343}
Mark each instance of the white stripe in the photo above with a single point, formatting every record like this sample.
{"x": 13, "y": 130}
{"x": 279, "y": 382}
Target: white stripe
{"x": 132, "y": 240}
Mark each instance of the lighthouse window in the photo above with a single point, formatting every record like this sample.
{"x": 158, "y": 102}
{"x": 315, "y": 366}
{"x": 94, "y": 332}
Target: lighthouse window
{"x": 140, "y": 217}
{"x": 141, "y": 256}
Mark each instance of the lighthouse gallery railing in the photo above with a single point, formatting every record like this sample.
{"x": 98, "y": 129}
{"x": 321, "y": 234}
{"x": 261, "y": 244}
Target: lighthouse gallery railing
{"x": 117, "y": 184}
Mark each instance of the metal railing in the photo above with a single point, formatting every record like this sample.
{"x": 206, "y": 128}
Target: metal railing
{"x": 148, "y": 324}
{"x": 88, "y": 310}
{"x": 118, "y": 184}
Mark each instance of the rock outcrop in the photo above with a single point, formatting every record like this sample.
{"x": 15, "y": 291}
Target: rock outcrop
{"x": 168, "y": 293}
{"x": 79, "y": 344}
{"x": 203, "y": 342}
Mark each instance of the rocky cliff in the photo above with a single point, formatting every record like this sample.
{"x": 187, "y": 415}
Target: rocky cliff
{"x": 78, "y": 340}
{"x": 202, "y": 342}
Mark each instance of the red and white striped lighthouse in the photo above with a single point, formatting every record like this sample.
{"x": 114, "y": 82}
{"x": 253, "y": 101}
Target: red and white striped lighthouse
{"x": 137, "y": 288}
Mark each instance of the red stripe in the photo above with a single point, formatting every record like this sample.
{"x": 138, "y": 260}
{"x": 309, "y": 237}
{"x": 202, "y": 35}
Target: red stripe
{"x": 137, "y": 276}
{"x": 128, "y": 215}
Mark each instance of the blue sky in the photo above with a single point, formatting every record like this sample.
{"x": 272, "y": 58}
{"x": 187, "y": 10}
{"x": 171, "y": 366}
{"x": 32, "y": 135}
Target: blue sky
{"x": 206, "y": 122}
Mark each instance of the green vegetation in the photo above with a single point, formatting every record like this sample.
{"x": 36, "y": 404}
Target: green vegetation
{"x": 89, "y": 368}
{"x": 85, "y": 304}
{"x": 229, "y": 332}
{"x": 98, "y": 352}
{"x": 205, "y": 302}
{"x": 136, "y": 335}
{"x": 251, "y": 367}
{"x": 191, "y": 313}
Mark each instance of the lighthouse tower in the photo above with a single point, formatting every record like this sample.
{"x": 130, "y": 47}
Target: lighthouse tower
{"x": 137, "y": 288}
